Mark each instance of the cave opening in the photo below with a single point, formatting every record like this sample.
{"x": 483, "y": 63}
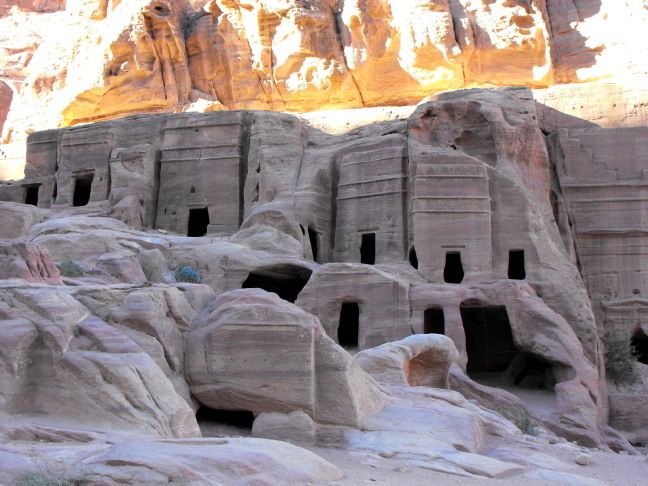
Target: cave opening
{"x": 198, "y": 222}
{"x": 287, "y": 283}
{"x": 82, "y": 190}
{"x": 495, "y": 360}
{"x": 516, "y": 269}
{"x": 313, "y": 237}
{"x": 368, "y": 248}
{"x": 533, "y": 373}
{"x": 453, "y": 271}
{"x": 349, "y": 325}
{"x": 489, "y": 339}
{"x": 241, "y": 419}
{"x": 413, "y": 259}
{"x": 639, "y": 343}
{"x": 433, "y": 321}
{"x": 31, "y": 194}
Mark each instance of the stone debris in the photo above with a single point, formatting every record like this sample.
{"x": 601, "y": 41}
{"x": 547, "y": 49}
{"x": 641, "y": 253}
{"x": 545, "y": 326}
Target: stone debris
{"x": 563, "y": 478}
{"x": 583, "y": 459}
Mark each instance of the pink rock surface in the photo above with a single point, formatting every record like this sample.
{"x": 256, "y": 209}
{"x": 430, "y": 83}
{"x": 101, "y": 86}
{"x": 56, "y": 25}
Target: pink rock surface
{"x": 27, "y": 262}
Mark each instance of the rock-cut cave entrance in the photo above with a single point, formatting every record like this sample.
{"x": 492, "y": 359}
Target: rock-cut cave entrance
{"x": 215, "y": 422}
{"x": 82, "y": 190}
{"x": 453, "y": 271}
{"x": 287, "y": 281}
{"x": 313, "y": 237}
{"x": 433, "y": 321}
{"x": 516, "y": 270}
{"x": 198, "y": 222}
{"x": 349, "y": 325}
{"x": 489, "y": 340}
{"x": 640, "y": 344}
{"x": 31, "y": 194}
{"x": 413, "y": 259}
{"x": 368, "y": 248}
{"x": 495, "y": 360}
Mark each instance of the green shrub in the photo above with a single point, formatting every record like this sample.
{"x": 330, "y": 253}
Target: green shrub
{"x": 620, "y": 356}
{"x": 42, "y": 479}
{"x": 186, "y": 274}
{"x": 70, "y": 268}
{"x": 520, "y": 418}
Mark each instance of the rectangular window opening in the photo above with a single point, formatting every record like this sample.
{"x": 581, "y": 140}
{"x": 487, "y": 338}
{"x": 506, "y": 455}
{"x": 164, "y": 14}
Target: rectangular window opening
{"x": 198, "y": 222}
{"x": 433, "y": 321}
{"x": 349, "y": 325}
{"x": 368, "y": 248}
{"x": 82, "y": 190}
{"x": 31, "y": 194}
{"x": 516, "y": 269}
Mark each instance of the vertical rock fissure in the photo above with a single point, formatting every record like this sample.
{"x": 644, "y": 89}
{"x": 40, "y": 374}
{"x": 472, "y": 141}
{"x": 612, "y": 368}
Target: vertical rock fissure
{"x": 338, "y": 34}
{"x": 244, "y": 147}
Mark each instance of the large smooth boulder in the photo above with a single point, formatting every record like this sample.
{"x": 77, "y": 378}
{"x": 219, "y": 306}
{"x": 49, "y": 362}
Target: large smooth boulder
{"x": 418, "y": 360}
{"x": 250, "y": 350}
{"x": 204, "y": 462}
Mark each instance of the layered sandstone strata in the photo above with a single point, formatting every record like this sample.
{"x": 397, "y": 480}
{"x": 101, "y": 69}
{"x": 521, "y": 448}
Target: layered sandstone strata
{"x": 78, "y": 61}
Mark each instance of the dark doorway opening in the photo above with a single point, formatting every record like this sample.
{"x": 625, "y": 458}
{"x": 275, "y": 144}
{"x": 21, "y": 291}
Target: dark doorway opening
{"x": 286, "y": 282}
{"x": 241, "y": 419}
{"x": 368, "y": 248}
{"x": 516, "y": 269}
{"x": 530, "y": 372}
{"x": 198, "y": 222}
{"x": 453, "y": 271}
{"x": 413, "y": 259}
{"x": 82, "y": 189}
{"x": 433, "y": 321}
{"x": 349, "y": 325}
{"x": 640, "y": 344}
{"x": 312, "y": 236}
{"x": 31, "y": 195}
{"x": 54, "y": 191}
{"x": 489, "y": 339}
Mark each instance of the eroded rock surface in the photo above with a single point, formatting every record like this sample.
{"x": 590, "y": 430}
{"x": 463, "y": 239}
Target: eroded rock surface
{"x": 249, "y": 350}
{"x": 55, "y": 353}
{"x": 297, "y": 56}
{"x": 452, "y": 221}
{"x": 419, "y": 360}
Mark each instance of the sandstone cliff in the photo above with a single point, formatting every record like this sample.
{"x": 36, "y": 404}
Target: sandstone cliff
{"x": 87, "y": 60}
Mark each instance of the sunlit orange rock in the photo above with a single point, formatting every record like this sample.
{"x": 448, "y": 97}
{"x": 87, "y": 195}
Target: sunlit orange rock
{"x": 64, "y": 62}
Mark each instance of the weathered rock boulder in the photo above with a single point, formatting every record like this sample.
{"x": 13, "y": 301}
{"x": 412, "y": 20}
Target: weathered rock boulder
{"x": 418, "y": 360}
{"x": 200, "y": 462}
{"x": 27, "y": 262}
{"x": 60, "y": 360}
{"x": 250, "y": 350}
{"x": 296, "y": 427}
{"x": 17, "y": 219}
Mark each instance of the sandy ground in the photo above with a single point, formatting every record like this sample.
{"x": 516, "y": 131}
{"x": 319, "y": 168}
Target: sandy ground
{"x": 362, "y": 468}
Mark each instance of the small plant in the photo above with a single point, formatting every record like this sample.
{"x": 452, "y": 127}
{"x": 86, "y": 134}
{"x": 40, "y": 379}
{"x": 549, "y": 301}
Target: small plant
{"x": 70, "y": 268}
{"x": 42, "y": 479}
{"x": 620, "y": 357}
{"x": 525, "y": 423}
{"x": 187, "y": 275}
{"x": 520, "y": 418}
